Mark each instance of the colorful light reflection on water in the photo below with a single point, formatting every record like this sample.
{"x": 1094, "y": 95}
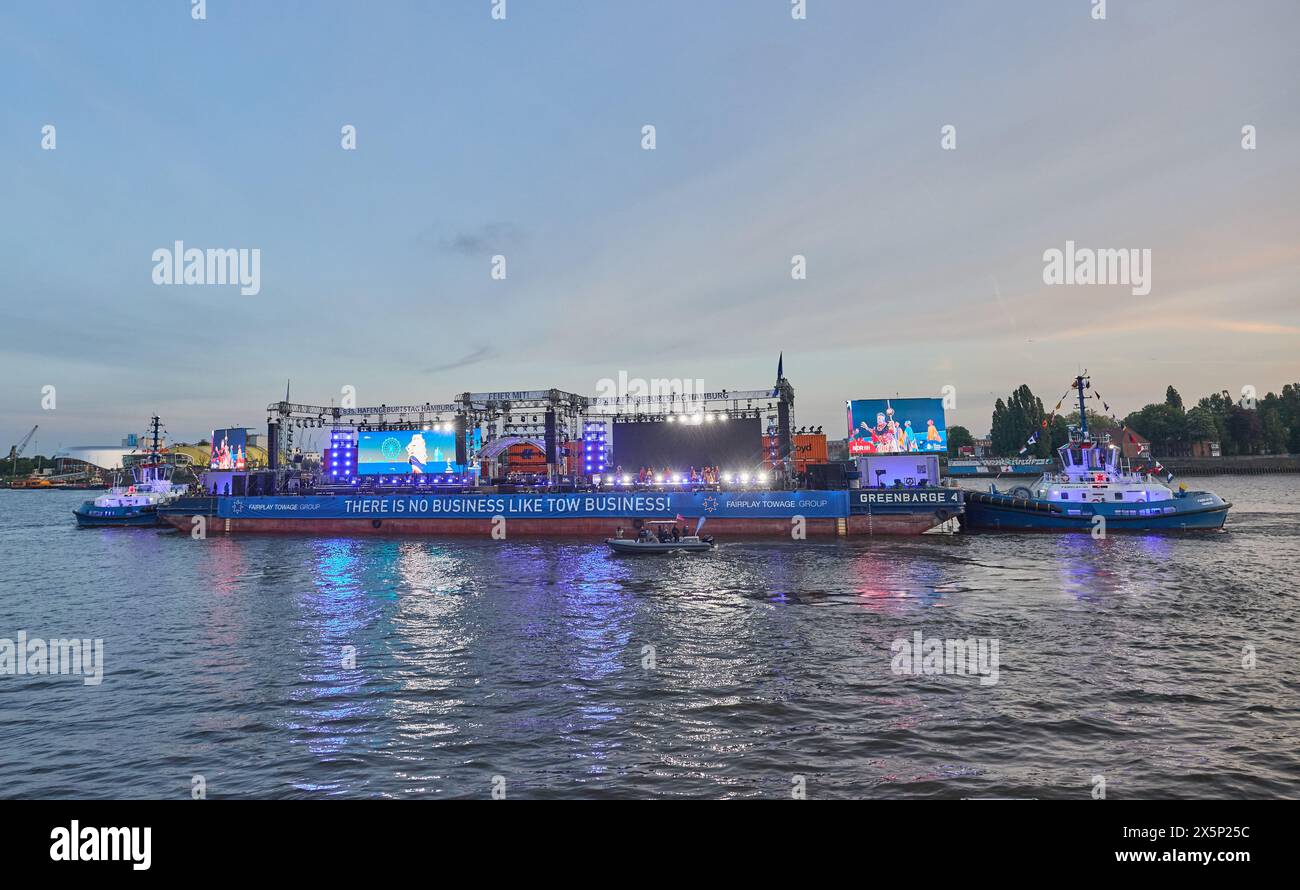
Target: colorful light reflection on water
{"x": 527, "y": 660}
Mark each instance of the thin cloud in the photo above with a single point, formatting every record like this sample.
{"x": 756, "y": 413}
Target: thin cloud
{"x": 490, "y": 238}
{"x": 472, "y": 358}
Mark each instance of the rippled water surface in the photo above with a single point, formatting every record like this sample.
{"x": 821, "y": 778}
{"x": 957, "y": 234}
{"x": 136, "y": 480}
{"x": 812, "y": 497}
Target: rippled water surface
{"x": 527, "y": 659}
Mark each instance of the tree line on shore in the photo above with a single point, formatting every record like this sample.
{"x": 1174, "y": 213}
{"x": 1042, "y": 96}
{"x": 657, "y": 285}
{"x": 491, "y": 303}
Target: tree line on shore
{"x": 1242, "y": 426}
{"x": 24, "y": 466}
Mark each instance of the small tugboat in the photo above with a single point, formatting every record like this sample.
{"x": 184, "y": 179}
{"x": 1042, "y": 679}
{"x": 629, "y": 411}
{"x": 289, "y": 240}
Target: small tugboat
{"x": 1095, "y": 481}
{"x": 135, "y": 505}
{"x": 649, "y": 542}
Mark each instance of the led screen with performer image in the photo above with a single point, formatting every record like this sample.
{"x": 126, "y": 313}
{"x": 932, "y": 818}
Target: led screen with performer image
{"x": 897, "y": 426}
{"x": 407, "y": 452}
{"x": 229, "y": 450}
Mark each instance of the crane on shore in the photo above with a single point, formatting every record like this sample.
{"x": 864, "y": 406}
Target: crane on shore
{"x": 16, "y": 450}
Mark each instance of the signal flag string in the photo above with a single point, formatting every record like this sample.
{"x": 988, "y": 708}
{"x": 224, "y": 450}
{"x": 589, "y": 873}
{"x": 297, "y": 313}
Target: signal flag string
{"x": 1124, "y": 429}
{"x": 1033, "y": 439}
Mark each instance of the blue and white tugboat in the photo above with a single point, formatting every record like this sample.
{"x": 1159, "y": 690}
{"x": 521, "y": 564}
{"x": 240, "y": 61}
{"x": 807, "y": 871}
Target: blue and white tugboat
{"x": 1095, "y": 481}
{"x": 137, "y": 504}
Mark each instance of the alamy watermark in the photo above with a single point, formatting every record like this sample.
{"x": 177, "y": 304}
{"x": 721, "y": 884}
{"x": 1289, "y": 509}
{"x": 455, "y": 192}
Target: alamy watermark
{"x": 1085, "y": 265}
{"x": 223, "y": 265}
{"x": 34, "y": 656}
{"x": 675, "y": 392}
{"x": 921, "y": 655}
{"x": 103, "y": 844}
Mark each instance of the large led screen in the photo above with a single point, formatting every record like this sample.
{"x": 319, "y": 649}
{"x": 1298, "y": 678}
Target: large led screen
{"x": 407, "y": 452}
{"x": 733, "y": 445}
{"x": 897, "y": 426}
{"x": 229, "y": 450}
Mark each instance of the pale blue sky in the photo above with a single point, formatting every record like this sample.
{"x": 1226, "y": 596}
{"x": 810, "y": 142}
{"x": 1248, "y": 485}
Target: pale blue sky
{"x": 522, "y": 137}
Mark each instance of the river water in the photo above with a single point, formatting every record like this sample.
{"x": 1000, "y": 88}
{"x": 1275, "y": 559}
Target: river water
{"x": 1160, "y": 667}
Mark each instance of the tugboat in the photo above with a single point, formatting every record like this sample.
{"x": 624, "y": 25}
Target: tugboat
{"x": 135, "y": 505}
{"x": 1095, "y": 481}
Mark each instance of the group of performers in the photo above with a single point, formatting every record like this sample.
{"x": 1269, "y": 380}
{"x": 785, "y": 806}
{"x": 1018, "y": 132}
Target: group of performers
{"x": 697, "y": 476}
{"x": 888, "y": 436}
{"x": 223, "y": 457}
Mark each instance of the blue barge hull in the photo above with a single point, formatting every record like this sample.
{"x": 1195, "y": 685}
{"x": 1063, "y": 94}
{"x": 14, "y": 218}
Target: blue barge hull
{"x": 838, "y": 512}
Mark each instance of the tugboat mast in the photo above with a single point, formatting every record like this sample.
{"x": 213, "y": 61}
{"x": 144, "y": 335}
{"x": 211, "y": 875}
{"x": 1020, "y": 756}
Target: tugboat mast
{"x": 1083, "y": 411}
{"x": 153, "y": 441}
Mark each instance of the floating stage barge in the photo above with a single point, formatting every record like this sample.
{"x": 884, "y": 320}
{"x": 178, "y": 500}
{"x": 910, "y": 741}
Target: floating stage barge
{"x": 849, "y": 512}
{"x": 548, "y": 462}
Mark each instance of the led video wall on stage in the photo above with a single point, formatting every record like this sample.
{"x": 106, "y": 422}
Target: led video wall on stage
{"x": 405, "y": 452}
{"x": 897, "y": 426}
{"x": 229, "y": 450}
{"x": 733, "y": 444}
